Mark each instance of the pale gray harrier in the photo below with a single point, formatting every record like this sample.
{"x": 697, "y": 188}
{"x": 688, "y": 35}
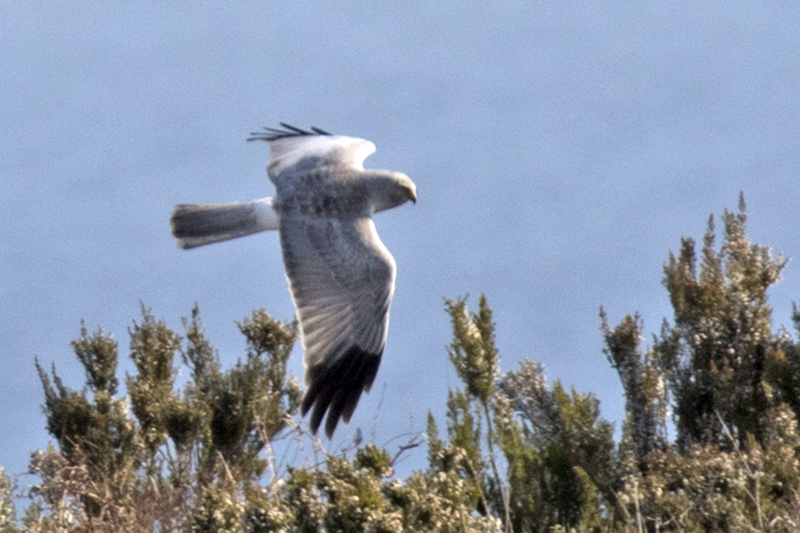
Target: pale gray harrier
{"x": 341, "y": 276}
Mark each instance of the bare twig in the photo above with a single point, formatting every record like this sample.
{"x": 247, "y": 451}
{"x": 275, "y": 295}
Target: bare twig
{"x": 414, "y": 442}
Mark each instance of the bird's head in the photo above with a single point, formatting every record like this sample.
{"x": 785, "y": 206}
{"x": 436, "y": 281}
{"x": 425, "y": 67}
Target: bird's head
{"x": 390, "y": 189}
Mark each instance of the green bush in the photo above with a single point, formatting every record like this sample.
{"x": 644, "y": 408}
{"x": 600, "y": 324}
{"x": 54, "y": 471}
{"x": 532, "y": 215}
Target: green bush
{"x": 514, "y": 454}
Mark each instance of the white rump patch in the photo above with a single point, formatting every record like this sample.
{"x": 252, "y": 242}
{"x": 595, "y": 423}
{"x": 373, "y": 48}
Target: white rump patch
{"x": 266, "y": 216}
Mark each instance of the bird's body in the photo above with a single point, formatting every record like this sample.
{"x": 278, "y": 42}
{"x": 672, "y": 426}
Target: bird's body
{"x": 341, "y": 276}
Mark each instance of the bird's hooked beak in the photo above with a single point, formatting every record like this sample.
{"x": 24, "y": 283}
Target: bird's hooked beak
{"x": 412, "y": 194}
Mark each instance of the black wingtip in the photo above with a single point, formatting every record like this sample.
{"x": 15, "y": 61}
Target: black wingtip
{"x": 336, "y": 388}
{"x": 273, "y": 134}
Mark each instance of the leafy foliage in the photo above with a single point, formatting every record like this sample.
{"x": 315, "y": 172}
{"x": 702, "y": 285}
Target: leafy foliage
{"x": 714, "y": 355}
{"x": 514, "y": 453}
{"x": 7, "y": 508}
{"x": 728, "y": 381}
{"x": 201, "y": 457}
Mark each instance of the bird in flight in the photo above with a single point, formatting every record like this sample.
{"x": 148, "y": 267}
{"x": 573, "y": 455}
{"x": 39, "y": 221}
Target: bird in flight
{"x": 341, "y": 276}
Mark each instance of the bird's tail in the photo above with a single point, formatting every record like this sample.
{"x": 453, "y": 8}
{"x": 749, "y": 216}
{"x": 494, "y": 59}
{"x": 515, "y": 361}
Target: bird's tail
{"x": 200, "y": 224}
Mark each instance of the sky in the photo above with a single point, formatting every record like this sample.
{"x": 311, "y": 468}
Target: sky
{"x": 560, "y": 151}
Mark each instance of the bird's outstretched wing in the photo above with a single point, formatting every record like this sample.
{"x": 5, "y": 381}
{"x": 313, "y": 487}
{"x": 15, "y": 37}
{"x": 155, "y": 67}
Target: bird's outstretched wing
{"x": 293, "y": 150}
{"x": 342, "y": 281}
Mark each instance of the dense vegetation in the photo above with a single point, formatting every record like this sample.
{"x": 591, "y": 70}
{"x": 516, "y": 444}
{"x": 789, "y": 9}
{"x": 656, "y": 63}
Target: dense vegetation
{"x": 710, "y": 442}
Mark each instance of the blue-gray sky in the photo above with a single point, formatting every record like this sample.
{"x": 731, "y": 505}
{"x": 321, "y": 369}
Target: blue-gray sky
{"x": 560, "y": 151}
